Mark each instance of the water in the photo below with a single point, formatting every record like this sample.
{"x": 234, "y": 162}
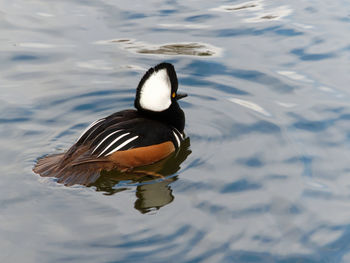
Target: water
{"x": 265, "y": 177}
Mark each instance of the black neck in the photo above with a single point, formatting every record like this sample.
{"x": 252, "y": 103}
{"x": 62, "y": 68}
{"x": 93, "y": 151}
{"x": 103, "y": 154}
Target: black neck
{"x": 174, "y": 116}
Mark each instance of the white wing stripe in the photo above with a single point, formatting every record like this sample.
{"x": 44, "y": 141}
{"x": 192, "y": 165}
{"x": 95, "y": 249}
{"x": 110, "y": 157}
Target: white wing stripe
{"x": 105, "y": 139}
{"x": 177, "y": 139}
{"x": 89, "y": 127}
{"x": 122, "y": 145}
{"x": 117, "y": 139}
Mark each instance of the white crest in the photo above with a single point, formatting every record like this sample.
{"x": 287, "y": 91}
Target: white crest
{"x": 155, "y": 94}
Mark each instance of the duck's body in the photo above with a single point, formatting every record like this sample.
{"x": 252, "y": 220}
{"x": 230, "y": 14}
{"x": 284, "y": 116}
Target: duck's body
{"x": 125, "y": 139}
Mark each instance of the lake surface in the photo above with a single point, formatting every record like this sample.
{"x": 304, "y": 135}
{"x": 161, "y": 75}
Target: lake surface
{"x": 265, "y": 174}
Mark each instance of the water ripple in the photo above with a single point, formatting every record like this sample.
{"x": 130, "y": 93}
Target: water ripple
{"x": 300, "y": 52}
{"x": 171, "y": 49}
{"x": 236, "y": 32}
{"x": 256, "y": 11}
{"x": 206, "y": 68}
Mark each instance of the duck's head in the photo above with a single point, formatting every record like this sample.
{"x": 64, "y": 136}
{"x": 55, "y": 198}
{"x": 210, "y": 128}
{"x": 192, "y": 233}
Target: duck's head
{"x": 157, "y": 90}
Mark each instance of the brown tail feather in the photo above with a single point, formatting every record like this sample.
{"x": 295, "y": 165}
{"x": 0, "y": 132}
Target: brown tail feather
{"x": 48, "y": 166}
{"x": 51, "y": 166}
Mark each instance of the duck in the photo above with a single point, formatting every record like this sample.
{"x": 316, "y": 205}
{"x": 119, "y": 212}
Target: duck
{"x": 126, "y": 139}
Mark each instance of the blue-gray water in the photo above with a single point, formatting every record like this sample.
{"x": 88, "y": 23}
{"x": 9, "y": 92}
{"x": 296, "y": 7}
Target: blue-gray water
{"x": 268, "y": 116}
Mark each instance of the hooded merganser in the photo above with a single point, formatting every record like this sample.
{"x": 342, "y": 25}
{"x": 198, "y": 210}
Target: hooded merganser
{"x": 126, "y": 139}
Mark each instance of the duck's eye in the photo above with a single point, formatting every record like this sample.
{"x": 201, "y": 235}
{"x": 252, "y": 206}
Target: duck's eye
{"x": 173, "y": 95}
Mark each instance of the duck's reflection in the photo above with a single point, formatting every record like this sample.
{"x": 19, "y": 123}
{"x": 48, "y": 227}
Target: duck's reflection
{"x": 153, "y": 189}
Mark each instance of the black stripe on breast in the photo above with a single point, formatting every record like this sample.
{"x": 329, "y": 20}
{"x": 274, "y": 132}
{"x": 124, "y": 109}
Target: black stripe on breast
{"x": 177, "y": 137}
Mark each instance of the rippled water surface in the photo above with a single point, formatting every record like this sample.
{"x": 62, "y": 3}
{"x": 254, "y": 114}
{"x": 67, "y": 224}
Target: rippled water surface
{"x": 265, "y": 174}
